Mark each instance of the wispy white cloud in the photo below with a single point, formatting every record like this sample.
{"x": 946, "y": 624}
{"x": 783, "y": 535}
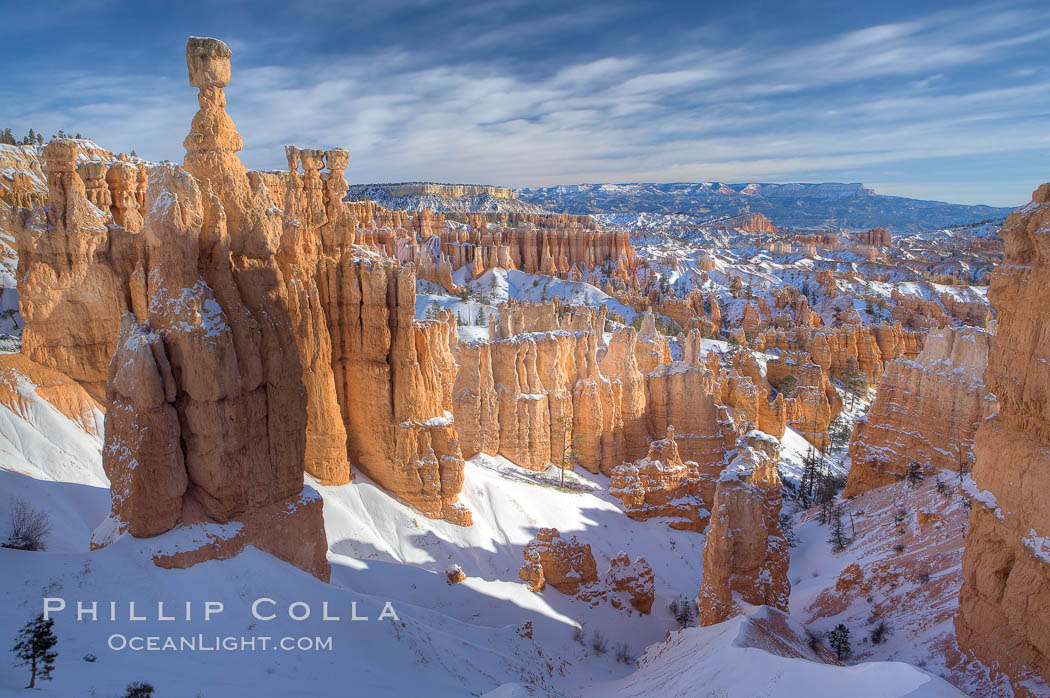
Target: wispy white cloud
{"x": 848, "y": 106}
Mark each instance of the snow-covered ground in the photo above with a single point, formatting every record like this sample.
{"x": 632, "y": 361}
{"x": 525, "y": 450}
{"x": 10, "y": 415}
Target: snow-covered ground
{"x": 452, "y": 640}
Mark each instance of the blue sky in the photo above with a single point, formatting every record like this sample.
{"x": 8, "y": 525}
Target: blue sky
{"x": 941, "y": 100}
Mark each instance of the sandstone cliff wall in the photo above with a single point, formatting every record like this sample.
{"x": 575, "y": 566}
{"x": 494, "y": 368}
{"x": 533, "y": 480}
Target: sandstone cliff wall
{"x": 745, "y": 555}
{"x": 926, "y": 410}
{"x": 1004, "y": 604}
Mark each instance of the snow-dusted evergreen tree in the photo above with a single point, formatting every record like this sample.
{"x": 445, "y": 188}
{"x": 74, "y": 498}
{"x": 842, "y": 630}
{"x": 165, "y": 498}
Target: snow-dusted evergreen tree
{"x": 838, "y": 640}
{"x": 35, "y": 647}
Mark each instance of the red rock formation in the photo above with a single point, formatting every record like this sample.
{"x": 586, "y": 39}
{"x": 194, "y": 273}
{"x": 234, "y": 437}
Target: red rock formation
{"x": 876, "y": 237}
{"x": 926, "y": 410}
{"x": 565, "y": 564}
{"x": 520, "y": 398}
{"x": 394, "y": 380}
{"x": 569, "y": 566}
{"x": 552, "y": 244}
{"x": 752, "y": 222}
{"x": 1004, "y": 605}
{"x": 745, "y": 556}
{"x": 813, "y": 403}
{"x": 662, "y": 485}
{"x": 293, "y": 294}
{"x": 624, "y": 583}
{"x": 455, "y": 574}
{"x": 64, "y": 394}
{"x": 71, "y": 269}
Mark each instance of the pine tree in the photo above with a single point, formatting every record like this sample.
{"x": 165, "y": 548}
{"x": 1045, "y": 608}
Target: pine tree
{"x": 34, "y": 646}
{"x": 853, "y": 379}
{"x": 810, "y": 465}
{"x": 481, "y": 318}
{"x": 838, "y": 538}
{"x": 39, "y": 139}
{"x": 32, "y": 136}
{"x": 8, "y": 138}
{"x": 570, "y": 456}
{"x": 964, "y": 465}
{"x": 839, "y": 641}
{"x": 915, "y": 474}
{"x": 78, "y": 134}
{"x": 133, "y": 153}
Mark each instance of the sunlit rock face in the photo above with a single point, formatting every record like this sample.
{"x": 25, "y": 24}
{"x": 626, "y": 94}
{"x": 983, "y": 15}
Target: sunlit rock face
{"x": 1004, "y": 604}
{"x": 745, "y": 555}
{"x": 926, "y": 410}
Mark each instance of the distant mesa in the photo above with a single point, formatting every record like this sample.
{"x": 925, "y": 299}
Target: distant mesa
{"x": 444, "y": 198}
{"x": 453, "y": 191}
{"x": 802, "y": 206}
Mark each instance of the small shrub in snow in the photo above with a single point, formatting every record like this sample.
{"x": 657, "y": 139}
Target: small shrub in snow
{"x": 579, "y": 633}
{"x": 787, "y": 530}
{"x": 598, "y": 643}
{"x": 623, "y": 653}
{"x": 29, "y": 527}
{"x": 139, "y": 689}
{"x": 814, "y": 641}
{"x": 90, "y": 658}
{"x": 924, "y": 578}
{"x": 899, "y": 548}
{"x": 878, "y": 635}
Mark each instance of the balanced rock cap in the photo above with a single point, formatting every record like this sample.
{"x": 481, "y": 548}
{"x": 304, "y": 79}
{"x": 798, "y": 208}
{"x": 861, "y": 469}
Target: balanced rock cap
{"x": 208, "y": 61}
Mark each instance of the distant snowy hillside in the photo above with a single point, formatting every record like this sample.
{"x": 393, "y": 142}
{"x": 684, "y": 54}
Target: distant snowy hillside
{"x": 484, "y": 203}
{"x": 803, "y": 206}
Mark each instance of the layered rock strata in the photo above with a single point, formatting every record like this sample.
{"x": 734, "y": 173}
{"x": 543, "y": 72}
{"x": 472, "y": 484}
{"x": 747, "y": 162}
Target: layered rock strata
{"x": 289, "y": 313}
{"x": 1004, "y": 604}
{"x": 745, "y": 555}
{"x": 568, "y": 565}
{"x": 662, "y": 485}
{"x": 926, "y": 410}
{"x": 563, "y": 563}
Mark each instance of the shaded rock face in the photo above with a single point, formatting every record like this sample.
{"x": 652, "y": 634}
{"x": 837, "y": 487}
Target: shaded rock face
{"x": 745, "y": 555}
{"x": 926, "y": 410}
{"x": 1004, "y": 604}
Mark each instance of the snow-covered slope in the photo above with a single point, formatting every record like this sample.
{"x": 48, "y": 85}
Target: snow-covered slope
{"x": 763, "y": 653}
{"x": 487, "y": 633}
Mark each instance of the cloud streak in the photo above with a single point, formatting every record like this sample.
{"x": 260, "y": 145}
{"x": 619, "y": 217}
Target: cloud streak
{"x": 902, "y": 103}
